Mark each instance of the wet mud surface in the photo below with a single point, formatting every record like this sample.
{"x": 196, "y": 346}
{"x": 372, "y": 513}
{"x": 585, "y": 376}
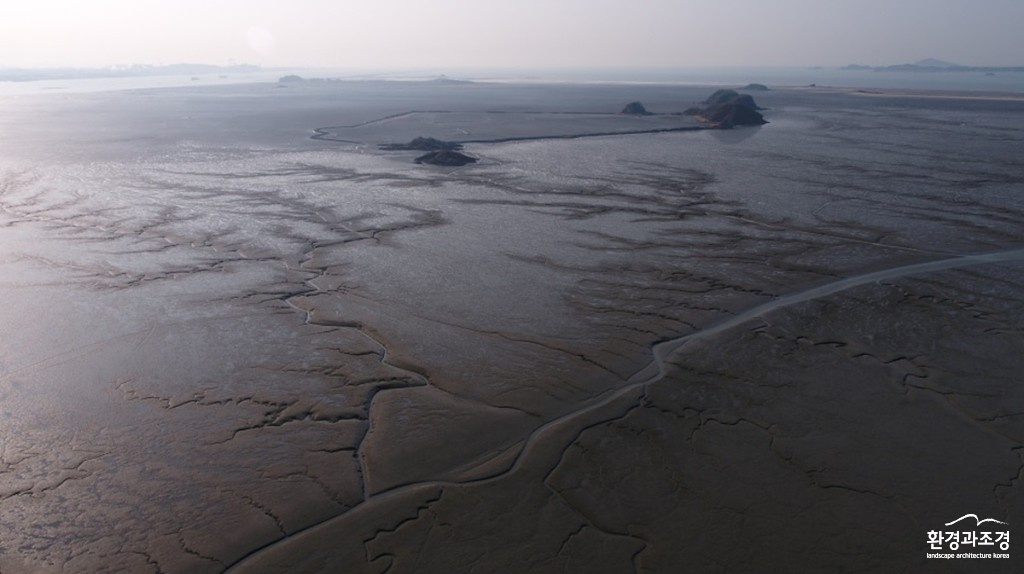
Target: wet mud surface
{"x": 230, "y": 347}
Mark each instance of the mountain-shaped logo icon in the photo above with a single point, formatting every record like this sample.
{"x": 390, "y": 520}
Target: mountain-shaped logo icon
{"x": 977, "y": 521}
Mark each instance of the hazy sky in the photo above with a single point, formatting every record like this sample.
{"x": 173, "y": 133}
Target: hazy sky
{"x": 510, "y": 33}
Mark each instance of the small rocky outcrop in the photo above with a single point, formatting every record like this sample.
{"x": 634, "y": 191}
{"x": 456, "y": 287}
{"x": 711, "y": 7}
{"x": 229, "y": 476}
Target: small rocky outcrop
{"x": 446, "y": 157}
{"x": 635, "y": 109}
{"x": 731, "y": 115}
{"x": 290, "y": 79}
{"x": 755, "y": 88}
{"x": 423, "y": 144}
{"x": 727, "y": 109}
{"x": 722, "y": 97}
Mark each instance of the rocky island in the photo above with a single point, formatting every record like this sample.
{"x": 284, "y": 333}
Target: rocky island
{"x": 729, "y": 108}
{"x": 423, "y": 144}
{"x": 446, "y": 157}
{"x": 635, "y": 109}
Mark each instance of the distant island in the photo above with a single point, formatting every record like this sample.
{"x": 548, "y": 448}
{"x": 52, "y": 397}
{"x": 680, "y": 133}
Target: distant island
{"x": 423, "y": 144}
{"x": 24, "y": 75}
{"x": 727, "y": 109}
{"x": 446, "y": 157}
{"x": 933, "y": 65}
{"x": 635, "y": 109}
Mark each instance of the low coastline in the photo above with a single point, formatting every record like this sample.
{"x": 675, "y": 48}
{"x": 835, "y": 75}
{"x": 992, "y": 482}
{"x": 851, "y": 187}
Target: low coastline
{"x": 941, "y": 94}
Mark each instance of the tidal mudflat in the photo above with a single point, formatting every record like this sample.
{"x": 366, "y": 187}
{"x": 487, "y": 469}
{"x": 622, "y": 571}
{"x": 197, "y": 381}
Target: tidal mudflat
{"x": 228, "y": 346}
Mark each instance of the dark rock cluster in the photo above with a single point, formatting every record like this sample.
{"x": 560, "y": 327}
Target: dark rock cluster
{"x": 730, "y": 115}
{"x": 423, "y": 144}
{"x": 635, "y": 109}
{"x": 729, "y": 108}
{"x": 723, "y": 97}
{"x": 439, "y": 152}
{"x": 446, "y": 157}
